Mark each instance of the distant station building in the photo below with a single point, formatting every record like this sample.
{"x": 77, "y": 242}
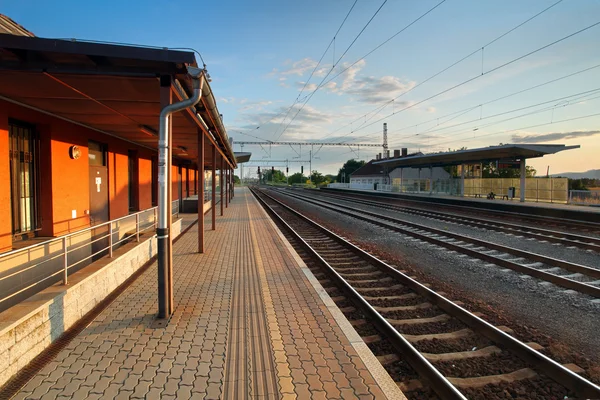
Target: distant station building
{"x": 461, "y": 173}
{"x": 373, "y": 174}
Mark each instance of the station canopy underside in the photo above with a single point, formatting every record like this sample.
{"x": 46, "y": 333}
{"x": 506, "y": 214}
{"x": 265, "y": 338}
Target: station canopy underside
{"x": 113, "y": 89}
{"x": 472, "y": 156}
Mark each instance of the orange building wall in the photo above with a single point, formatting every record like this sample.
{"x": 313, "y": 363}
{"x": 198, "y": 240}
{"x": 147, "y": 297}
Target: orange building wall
{"x": 175, "y": 181}
{"x": 184, "y": 182}
{"x": 70, "y": 179}
{"x": 5, "y": 212}
{"x": 145, "y": 182}
{"x": 118, "y": 181}
{"x": 64, "y": 183}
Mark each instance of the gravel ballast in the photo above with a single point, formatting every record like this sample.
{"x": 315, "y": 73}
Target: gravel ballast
{"x": 567, "y": 317}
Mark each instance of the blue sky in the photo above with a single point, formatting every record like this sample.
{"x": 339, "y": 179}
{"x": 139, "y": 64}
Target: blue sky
{"x": 261, "y": 53}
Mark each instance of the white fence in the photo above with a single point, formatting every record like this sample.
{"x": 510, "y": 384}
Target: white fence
{"x": 26, "y": 271}
{"x": 339, "y": 185}
{"x": 585, "y": 197}
{"x": 361, "y": 186}
{"x": 552, "y": 190}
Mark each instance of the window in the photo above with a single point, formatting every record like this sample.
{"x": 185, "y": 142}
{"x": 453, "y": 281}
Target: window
{"x": 97, "y": 153}
{"x": 24, "y": 178}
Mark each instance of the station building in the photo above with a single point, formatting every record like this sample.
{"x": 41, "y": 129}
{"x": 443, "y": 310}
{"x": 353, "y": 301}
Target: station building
{"x": 79, "y": 126}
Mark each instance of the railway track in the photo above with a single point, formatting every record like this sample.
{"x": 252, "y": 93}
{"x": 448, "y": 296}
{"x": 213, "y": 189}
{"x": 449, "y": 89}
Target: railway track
{"x": 431, "y": 346}
{"x": 558, "y": 223}
{"x": 548, "y": 235}
{"x": 563, "y": 273}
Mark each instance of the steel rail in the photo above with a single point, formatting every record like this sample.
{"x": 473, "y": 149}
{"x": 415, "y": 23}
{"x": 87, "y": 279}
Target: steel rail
{"x": 439, "y": 383}
{"x": 556, "y": 279}
{"x": 554, "y": 370}
{"x": 534, "y": 218}
{"x": 587, "y": 242}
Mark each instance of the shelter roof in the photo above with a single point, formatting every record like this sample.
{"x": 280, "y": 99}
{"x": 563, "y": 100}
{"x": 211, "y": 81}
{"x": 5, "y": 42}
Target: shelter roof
{"x": 485, "y": 154}
{"x": 111, "y": 88}
{"x": 242, "y": 157}
{"x": 369, "y": 169}
{"x": 7, "y": 25}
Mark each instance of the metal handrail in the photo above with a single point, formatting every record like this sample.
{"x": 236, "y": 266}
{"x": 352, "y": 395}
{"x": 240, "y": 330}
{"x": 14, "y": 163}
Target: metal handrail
{"x": 64, "y": 252}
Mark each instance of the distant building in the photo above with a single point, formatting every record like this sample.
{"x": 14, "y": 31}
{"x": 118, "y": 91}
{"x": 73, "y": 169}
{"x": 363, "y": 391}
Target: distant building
{"x": 371, "y": 174}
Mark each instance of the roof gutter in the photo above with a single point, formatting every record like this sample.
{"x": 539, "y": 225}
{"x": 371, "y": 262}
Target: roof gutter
{"x": 162, "y": 231}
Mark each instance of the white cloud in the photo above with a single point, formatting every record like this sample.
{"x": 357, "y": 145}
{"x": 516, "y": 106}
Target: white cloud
{"x": 298, "y": 67}
{"x": 366, "y": 89}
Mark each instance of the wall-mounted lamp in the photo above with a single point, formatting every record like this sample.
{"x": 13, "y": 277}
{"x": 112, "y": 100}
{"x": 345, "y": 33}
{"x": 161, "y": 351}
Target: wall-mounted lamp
{"x": 74, "y": 152}
{"x": 147, "y": 130}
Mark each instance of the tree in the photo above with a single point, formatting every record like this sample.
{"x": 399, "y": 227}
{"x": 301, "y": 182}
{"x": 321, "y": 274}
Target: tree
{"x": 277, "y": 177}
{"x": 317, "y": 178}
{"x": 331, "y": 177}
{"x": 296, "y": 178}
{"x": 348, "y": 168}
{"x": 491, "y": 171}
{"x": 236, "y": 179}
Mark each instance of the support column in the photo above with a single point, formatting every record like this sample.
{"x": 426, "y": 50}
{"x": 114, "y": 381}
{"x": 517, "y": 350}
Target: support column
{"x": 231, "y": 185}
{"x": 214, "y": 188}
{"x": 430, "y": 180}
{"x": 523, "y": 175}
{"x": 419, "y": 182}
{"x": 165, "y": 261}
{"x": 226, "y": 186}
{"x": 222, "y": 182}
{"x": 462, "y": 180}
{"x": 201, "y": 177}
{"x": 401, "y": 180}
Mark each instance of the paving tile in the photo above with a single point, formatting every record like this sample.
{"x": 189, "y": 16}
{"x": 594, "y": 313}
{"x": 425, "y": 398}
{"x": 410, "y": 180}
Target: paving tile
{"x": 291, "y": 342}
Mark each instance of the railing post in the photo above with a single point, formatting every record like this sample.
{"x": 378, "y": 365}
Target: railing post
{"x": 137, "y": 227}
{"x": 110, "y": 240}
{"x": 65, "y": 262}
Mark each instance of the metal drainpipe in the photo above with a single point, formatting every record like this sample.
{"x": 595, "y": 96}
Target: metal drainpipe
{"x": 162, "y": 230}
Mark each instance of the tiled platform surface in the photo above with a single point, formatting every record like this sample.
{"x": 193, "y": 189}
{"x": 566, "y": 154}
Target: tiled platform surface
{"x": 248, "y": 323}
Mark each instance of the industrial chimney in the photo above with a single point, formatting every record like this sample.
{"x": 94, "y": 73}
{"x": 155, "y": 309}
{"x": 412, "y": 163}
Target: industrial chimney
{"x": 396, "y": 153}
{"x": 404, "y": 152}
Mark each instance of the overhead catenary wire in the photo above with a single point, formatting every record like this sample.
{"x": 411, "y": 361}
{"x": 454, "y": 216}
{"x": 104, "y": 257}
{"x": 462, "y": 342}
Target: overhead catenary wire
{"x": 465, "y": 110}
{"x": 462, "y": 132}
{"x": 338, "y": 60}
{"x": 530, "y": 126}
{"x": 385, "y": 104}
{"x": 318, "y": 63}
{"x": 485, "y": 73}
{"x": 581, "y": 95}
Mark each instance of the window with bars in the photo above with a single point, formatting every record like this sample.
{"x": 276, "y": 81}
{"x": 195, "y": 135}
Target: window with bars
{"x": 24, "y": 178}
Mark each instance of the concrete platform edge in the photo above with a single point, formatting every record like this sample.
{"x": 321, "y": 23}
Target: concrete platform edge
{"x": 381, "y": 376}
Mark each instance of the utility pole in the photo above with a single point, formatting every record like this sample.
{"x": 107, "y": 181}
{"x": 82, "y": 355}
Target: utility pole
{"x": 386, "y": 153}
{"x": 242, "y": 167}
{"x": 310, "y": 165}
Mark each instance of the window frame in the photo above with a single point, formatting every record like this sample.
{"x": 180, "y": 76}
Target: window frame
{"x": 16, "y": 130}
